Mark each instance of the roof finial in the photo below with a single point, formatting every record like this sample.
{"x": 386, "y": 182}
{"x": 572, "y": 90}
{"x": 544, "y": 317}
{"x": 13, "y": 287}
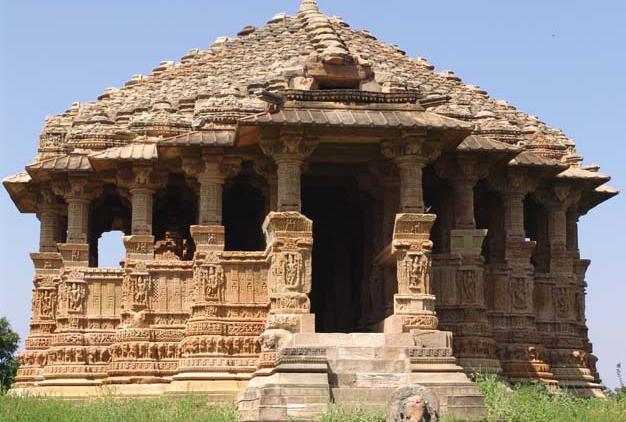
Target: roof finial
{"x": 309, "y": 6}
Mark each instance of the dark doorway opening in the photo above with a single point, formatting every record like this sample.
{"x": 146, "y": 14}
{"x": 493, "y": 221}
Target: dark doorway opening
{"x": 243, "y": 215}
{"x": 339, "y": 218}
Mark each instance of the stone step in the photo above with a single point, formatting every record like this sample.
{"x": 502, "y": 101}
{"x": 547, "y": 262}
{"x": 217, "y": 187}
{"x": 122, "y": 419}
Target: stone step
{"x": 361, "y": 395}
{"x": 364, "y": 366}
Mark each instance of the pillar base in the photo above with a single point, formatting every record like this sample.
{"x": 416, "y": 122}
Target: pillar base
{"x": 74, "y": 254}
{"x": 208, "y": 238}
{"x": 139, "y": 247}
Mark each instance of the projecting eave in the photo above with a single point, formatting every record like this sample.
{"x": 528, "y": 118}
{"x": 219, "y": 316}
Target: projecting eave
{"x": 374, "y": 122}
{"x": 542, "y": 166}
{"x": 593, "y": 198}
{"x": 20, "y": 190}
{"x": 66, "y": 164}
{"x": 484, "y": 147}
{"x": 586, "y": 178}
{"x": 140, "y": 153}
{"x": 213, "y": 139}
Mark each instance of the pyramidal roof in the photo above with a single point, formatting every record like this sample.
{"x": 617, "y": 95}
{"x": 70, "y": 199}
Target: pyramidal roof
{"x": 216, "y": 87}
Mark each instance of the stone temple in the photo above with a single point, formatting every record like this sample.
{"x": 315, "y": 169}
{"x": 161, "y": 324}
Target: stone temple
{"x": 309, "y": 216}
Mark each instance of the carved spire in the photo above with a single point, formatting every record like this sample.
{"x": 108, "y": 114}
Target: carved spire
{"x": 327, "y": 42}
{"x": 309, "y": 6}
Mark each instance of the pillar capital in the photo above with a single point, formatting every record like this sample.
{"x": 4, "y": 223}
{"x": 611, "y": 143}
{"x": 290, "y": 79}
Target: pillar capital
{"x": 463, "y": 172}
{"x": 410, "y": 155}
{"x": 289, "y": 150}
{"x": 76, "y": 187}
{"x": 558, "y": 197}
{"x": 290, "y": 145}
{"x": 210, "y": 171}
{"x": 461, "y": 169}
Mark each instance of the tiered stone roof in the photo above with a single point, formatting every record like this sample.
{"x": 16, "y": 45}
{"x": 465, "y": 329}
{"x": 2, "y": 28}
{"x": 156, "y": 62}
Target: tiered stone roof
{"x": 214, "y": 89}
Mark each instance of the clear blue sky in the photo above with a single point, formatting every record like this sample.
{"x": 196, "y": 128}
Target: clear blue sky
{"x": 563, "y": 60}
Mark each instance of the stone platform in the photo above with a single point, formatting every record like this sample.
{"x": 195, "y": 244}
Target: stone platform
{"x": 362, "y": 370}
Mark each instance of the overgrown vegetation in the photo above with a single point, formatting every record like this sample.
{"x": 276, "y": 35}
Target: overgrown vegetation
{"x": 184, "y": 409}
{"x": 9, "y": 341}
{"x": 524, "y": 403}
{"x": 532, "y": 403}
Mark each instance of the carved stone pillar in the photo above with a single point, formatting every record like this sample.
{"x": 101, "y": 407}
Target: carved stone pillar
{"x": 563, "y": 333}
{"x": 77, "y": 211}
{"x": 459, "y": 273}
{"x": 411, "y": 248}
{"x": 142, "y": 195}
{"x": 519, "y": 345}
{"x": 289, "y": 237}
{"x": 78, "y": 194}
{"x": 410, "y": 158}
{"x": 211, "y": 181}
{"x": 49, "y": 218}
{"x": 140, "y": 183}
{"x": 289, "y": 152}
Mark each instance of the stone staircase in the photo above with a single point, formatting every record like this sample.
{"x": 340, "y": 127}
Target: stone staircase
{"x": 359, "y": 371}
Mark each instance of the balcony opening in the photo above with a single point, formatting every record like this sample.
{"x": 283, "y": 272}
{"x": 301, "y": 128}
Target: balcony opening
{"x": 111, "y": 251}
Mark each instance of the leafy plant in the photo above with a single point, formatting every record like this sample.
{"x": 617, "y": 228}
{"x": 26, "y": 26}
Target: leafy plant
{"x": 9, "y": 341}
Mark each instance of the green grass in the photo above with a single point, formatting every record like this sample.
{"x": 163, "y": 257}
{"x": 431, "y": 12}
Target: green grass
{"x": 524, "y": 403}
{"x": 532, "y": 403}
{"x": 109, "y": 409}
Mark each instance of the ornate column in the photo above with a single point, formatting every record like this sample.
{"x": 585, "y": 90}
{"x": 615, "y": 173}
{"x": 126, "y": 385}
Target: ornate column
{"x": 140, "y": 182}
{"x": 48, "y": 214}
{"x": 569, "y": 351}
{"x": 411, "y": 248}
{"x": 77, "y": 211}
{"x": 459, "y": 272}
{"x": 512, "y": 313}
{"x": 211, "y": 171}
{"x": 142, "y": 194}
{"x": 289, "y": 153}
{"x": 78, "y": 194}
{"x": 48, "y": 268}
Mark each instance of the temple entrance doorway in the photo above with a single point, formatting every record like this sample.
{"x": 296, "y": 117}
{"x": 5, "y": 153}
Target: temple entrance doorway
{"x": 339, "y": 257}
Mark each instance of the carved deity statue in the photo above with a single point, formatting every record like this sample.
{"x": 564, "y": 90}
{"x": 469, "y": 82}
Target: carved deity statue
{"x": 468, "y": 284}
{"x": 213, "y": 280}
{"x": 47, "y": 304}
{"x": 75, "y": 297}
{"x": 292, "y": 270}
{"x": 562, "y": 302}
{"x": 141, "y": 291}
{"x": 418, "y": 272}
{"x": 519, "y": 293}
